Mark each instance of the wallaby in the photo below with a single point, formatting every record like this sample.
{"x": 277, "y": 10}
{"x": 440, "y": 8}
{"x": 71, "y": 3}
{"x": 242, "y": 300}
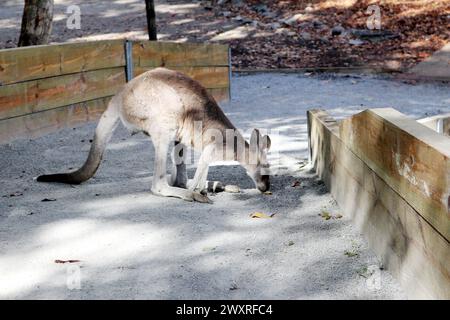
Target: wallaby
{"x": 171, "y": 108}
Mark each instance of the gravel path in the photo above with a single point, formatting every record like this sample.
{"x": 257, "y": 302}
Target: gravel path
{"x": 132, "y": 244}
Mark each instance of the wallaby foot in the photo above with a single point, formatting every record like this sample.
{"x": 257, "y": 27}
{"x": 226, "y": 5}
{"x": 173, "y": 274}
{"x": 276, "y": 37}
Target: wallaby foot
{"x": 185, "y": 194}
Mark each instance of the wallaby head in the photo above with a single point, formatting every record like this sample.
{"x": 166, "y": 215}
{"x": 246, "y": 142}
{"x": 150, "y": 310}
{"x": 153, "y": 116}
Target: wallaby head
{"x": 258, "y": 166}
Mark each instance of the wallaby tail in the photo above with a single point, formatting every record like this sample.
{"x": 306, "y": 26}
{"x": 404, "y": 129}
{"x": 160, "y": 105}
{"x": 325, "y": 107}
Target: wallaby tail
{"x": 103, "y": 133}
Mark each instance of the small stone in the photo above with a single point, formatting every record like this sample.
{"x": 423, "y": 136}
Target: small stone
{"x": 275, "y": 25}
{"x": 293, "y": 20}
{"x": 260, "y": 8}
{"x": 254, "y": 24}
{"x": 305, "y": 36}
{"x": 10, "y": 44}
{"x": 269, "y": 14}
{"x": 309, "y": 9}
{"x": 282, "y": 31}
{"x": 324, "y": 40}
{"x": 318, "y": 24}
{"x": 337, "y": 30}
{"x": 356, "y": 42}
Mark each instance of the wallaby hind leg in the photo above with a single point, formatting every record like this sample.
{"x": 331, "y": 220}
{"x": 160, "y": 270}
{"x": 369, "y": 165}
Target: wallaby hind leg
{"x": 179, "y": 172}
{"x": 160, "y": 186}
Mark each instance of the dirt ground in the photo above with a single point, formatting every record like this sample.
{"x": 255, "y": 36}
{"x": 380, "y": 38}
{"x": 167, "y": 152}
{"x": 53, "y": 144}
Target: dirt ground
{"x": 274, "y": 34}
{"x": 127, "y": 243}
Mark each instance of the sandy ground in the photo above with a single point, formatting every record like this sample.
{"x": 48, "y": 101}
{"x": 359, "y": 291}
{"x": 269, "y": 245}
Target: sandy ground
{"x": 117, "y": 19}
{"x": 132, "y": 244}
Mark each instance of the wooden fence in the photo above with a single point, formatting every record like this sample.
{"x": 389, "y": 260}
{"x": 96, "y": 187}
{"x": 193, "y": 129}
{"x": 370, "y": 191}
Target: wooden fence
{"x": 45, "y": 88}
{"x": 391, "y": 175}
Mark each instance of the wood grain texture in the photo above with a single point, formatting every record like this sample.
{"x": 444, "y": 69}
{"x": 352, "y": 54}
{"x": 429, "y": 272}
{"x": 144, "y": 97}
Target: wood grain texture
{"x": 209, "y": 77}
{"x": 412, "y": 159}
{"x": 408, "y": 246}
{"x": 41, "y": 123}
{"x": 44, "y": 94}
{"x": 170, "y": 54}
{"x": 439, "y": 123}
{"x": 38, "y": 83}
{"x": 220, "y": 94}
{"x": 30, "y": 63}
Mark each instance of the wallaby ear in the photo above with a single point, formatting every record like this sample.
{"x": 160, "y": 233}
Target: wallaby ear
{"x": 266, "y": 142}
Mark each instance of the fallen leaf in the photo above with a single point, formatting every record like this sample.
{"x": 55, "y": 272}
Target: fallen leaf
{"x": 67, "y": 261}
{"x": 296, "y": 183}
{"x": 234, "y": 286}
{"x": 326, "y": 215}
{"x": 291, "y": 243}
{"x": 351, "y": 254}
{"x": 261, "y": 215}
{"x": 14, "y": 194}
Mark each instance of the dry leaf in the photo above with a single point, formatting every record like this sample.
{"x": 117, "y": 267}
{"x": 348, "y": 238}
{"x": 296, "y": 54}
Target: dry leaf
{"x": 296, "y": 183}
{"x": 67, "y": 261}
{"x": 326, "y": 215}
{"x": 261, "y": 215}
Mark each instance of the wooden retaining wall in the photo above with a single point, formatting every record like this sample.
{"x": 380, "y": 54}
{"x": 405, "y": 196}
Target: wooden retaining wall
{"x": 439, "y": 123}
{"x": 45, "y": 88}
{"x": 391, "y": 175}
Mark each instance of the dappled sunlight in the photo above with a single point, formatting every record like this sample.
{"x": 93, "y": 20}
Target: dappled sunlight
{"x": 81, "y": 239}
{"x": 9, "y": 23}
{"x": 341, "y": 4}
{"x": 134, "y": 244}
{"x": 120, "y": 145}
{"x": 176, "y": 8}
{"x": 182, "y": 21}
{"x": 132, "y": 35}
{"x": 236, "y": 33}
{"x": 123, "y": 204}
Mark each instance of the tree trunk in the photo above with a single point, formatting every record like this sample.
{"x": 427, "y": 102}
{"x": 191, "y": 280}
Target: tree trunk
{"x": 151, "y": 19}
{"x": 36, "y": 22}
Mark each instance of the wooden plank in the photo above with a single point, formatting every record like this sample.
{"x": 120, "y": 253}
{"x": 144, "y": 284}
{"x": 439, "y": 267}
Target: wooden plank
{"x": 38, "y": 124}
{"x": 412, "y": 159}
{"x": 29, "y": 63}
{"x": 48, "y": 93}
{"x": 220, "y": 94}
{"x": 170, "y": 54}
{"x": 408, "y": 246}
{"x": 439, "y": 123}
{"x": 209, "y": 77}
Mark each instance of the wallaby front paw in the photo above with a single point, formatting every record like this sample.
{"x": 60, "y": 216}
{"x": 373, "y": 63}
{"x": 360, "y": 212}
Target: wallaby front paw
{"x": 214, "y": 186}
{"x": 201, "y": 198}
